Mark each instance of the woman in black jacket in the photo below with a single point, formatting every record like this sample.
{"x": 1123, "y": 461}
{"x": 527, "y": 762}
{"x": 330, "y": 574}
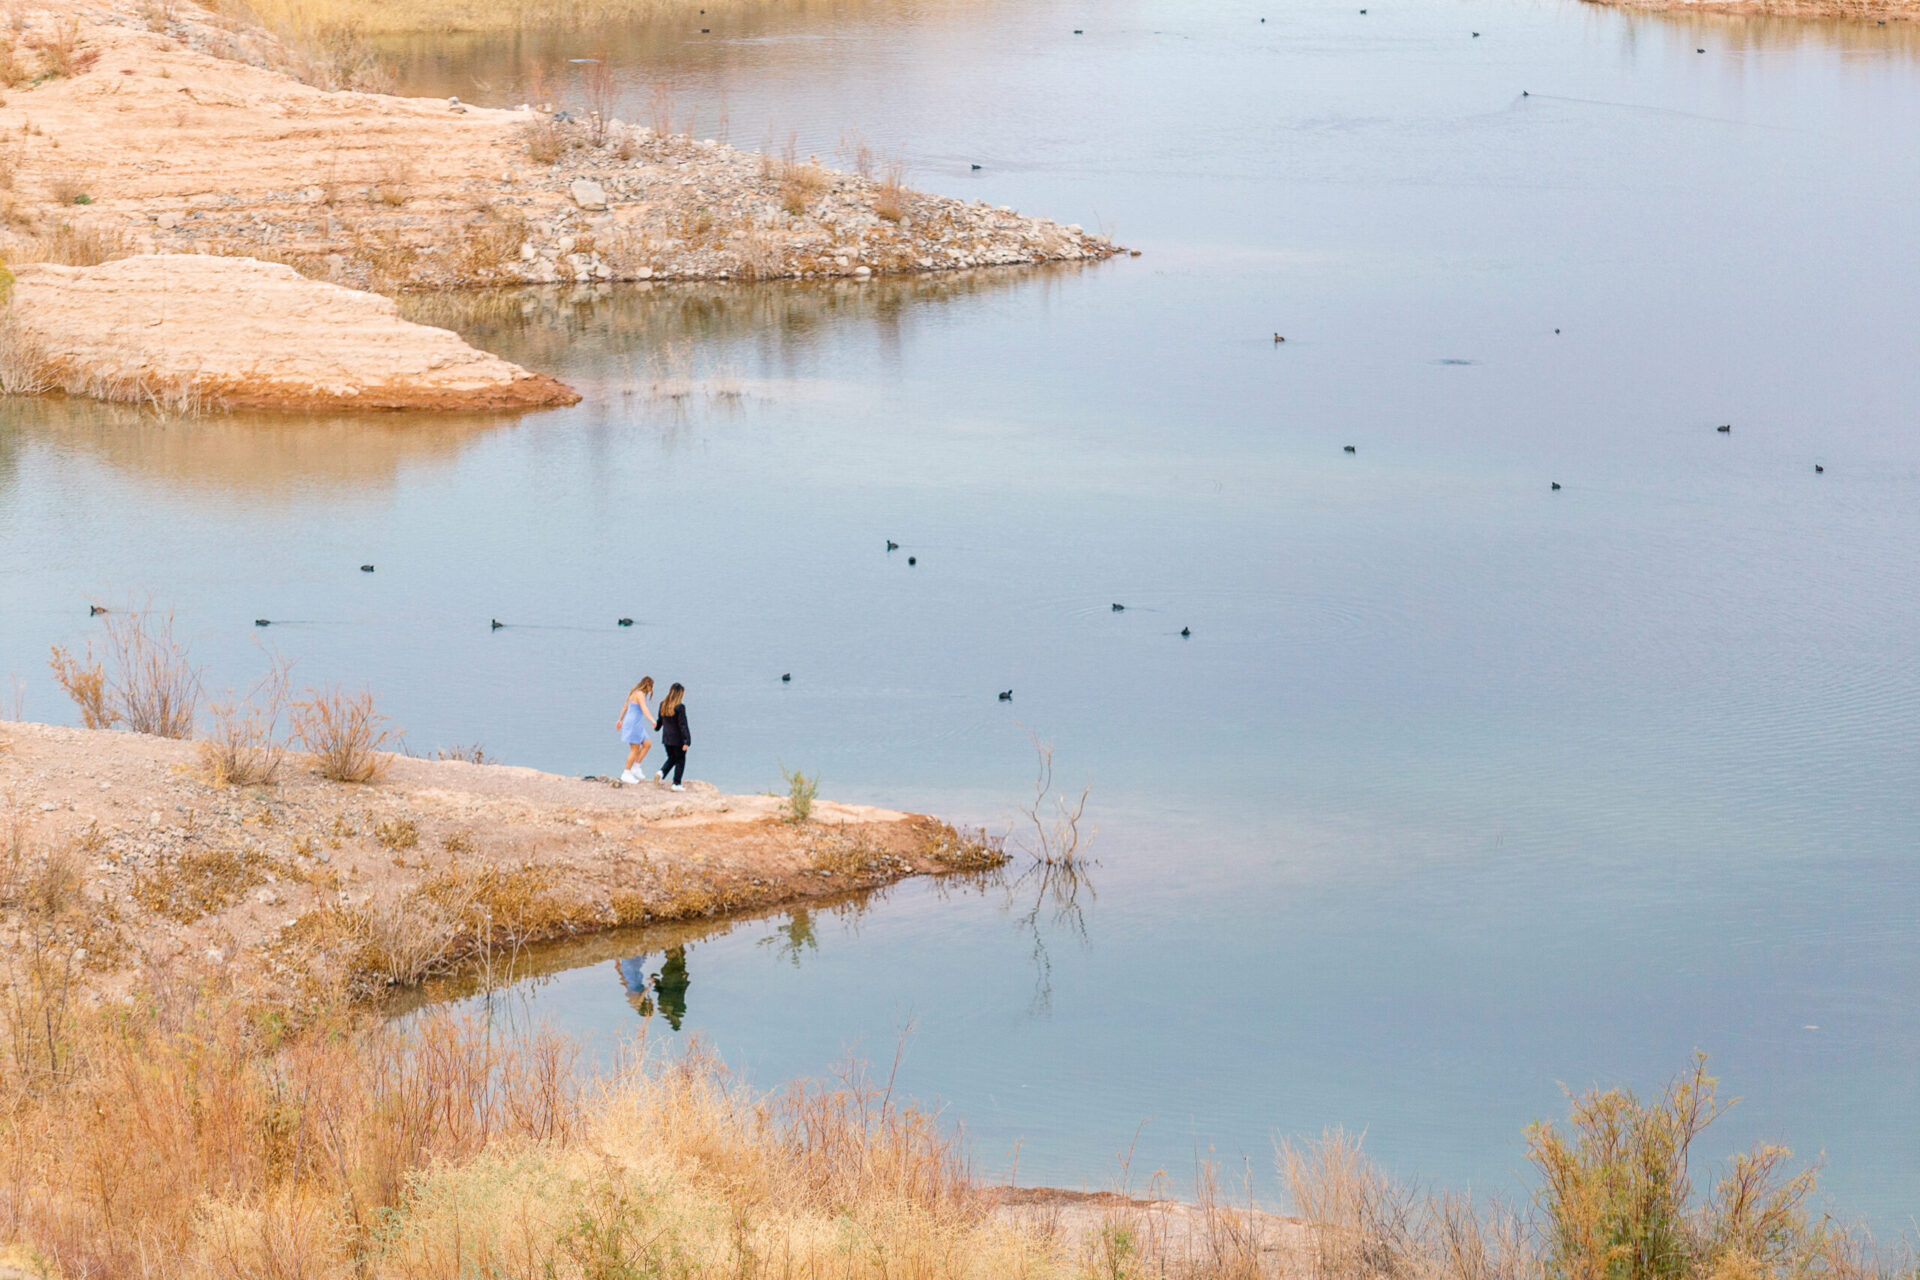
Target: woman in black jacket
{"x": 674, "y": 736}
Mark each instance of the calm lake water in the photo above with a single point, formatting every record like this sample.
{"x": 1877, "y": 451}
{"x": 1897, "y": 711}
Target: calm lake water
{"x": 1461, "y": 788}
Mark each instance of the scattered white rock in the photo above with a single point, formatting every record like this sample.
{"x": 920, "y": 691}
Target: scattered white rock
{"x": 588, "y": 194}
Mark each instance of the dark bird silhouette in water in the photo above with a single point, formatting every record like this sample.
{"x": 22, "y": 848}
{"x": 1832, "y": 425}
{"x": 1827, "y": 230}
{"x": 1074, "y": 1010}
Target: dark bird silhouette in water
{"x": 1556, "y": 331}
{"x": 1556, "y": 484}
{"x": 1278, "y": 338}
{"x": 626, "y": 622}
{"x": 892, "y": 545}
{"x": 1476, "y": 35}
{"x": 787, "y": 678}
{"x": 1119, "y": 608}
{"x": 975, "y": 168}
{"x": 1724, "y": 428}
{"x": 1699, "y": 50}
{"x": 366, "y": 568}
{"x": 1363, "y": 11}
{"x": 1347, "y": 448}
{"x": 912, "y": 560}
{"x": 263, "y": 622}
{"x": 1006, "y": 695}
{"x": 1077, "y": 31}
{"x": 497, "y": 624}
{"x": 1186, "y": 631}
{"x": 1818, "y": 469}
{"x": 95, "y": 610}
{"x": 1525, "y": 94}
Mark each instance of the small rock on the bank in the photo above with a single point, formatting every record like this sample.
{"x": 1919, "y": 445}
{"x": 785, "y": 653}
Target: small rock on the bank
{"x": 588, "y": 194}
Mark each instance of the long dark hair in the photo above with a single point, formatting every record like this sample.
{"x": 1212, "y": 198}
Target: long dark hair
{"x": 671, "y": 703}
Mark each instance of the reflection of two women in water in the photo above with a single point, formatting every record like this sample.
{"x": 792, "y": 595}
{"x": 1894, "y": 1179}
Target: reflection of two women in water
{"x": 667, "y": 988}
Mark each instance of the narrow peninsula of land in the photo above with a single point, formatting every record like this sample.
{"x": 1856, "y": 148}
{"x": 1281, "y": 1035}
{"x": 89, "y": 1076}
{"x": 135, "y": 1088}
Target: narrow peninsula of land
{"x": 303, "y": 891}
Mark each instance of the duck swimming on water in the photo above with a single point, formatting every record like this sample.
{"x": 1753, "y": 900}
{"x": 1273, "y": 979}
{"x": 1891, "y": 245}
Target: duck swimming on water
{"x": 497, "y": 624}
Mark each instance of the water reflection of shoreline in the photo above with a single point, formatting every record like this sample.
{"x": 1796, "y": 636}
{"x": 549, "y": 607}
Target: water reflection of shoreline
{"x": 282, "y": 457}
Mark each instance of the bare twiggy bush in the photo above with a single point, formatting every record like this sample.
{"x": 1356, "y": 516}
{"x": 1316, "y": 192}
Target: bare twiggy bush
{"x": 343, "y": 733}
{"x": 755, "y": 256}
{"x": 598, "y": 90}
{"x": 242, "y": 746}
{"x": 153, "y": 686}
{"x": 660, "y": 111}
{"x": 1056, "y": 838}
{"x": 471, "y": 753}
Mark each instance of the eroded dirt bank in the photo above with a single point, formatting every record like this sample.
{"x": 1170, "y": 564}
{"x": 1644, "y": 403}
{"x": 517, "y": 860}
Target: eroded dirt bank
{"x": 303, "y": 889}
{"x": 247, "y": 334}
{"x": 180, "y": 133}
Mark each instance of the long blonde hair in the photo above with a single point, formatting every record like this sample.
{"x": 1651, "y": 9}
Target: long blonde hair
{"x": 671, "y": 703}
{"x": 644, "y": 688}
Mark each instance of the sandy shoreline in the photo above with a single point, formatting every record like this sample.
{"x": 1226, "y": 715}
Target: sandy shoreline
{"x": 298, "y": 891}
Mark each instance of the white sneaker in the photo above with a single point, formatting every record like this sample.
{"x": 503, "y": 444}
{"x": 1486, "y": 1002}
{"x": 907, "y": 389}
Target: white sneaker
{"x": 678, "y": 787}
{"x": 629, "y": 778}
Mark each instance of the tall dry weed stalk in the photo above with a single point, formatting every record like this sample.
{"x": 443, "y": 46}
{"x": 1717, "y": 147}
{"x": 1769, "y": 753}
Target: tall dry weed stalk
{"x": 343, "y": 733}
{"x": 890, "y": 197}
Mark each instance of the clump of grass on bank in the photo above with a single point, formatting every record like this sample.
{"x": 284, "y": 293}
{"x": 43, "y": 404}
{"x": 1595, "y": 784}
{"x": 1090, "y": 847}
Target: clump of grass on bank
{"x": 343, "y": 733}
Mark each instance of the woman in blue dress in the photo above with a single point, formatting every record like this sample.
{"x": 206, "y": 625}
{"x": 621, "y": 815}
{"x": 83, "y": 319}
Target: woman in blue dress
{"x": 637, "y": 728}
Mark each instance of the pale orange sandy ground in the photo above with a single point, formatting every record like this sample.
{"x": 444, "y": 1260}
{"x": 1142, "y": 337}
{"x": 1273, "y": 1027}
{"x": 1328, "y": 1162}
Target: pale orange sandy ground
{"x": 266, "y": 883}
{"x": 236, "y": 332}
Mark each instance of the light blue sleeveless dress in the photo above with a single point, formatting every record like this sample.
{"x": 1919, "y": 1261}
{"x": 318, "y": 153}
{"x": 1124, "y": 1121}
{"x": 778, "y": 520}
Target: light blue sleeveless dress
{"x": 635, "y": 726}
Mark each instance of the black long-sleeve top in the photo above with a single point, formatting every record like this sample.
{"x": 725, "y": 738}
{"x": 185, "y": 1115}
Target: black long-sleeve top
{"x": 673, "y": 729}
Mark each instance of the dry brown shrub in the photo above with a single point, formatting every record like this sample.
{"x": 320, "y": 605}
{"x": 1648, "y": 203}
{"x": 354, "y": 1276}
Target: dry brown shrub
{"x": 147, "y": 680}
{"x": 155, "y": 689}
{"x": 457, "y": 842}
{"x": 393, "y": 185}
{"x": 492, "y": 242}
{"x": 242, "y": 746}
{"x": 85, "y": 681}
{"x": 13, "y": 72}
{"x": 65, "y": 188}
{"x": 546, "y": 139}
{"x": 343, "y": 733}
{"x": 471, "y": 753}
{"x": 60, "y": 53}
{"x": 890, "y": 196}
{"x": 755, "y": 256}
{"x": 41, "y": 890}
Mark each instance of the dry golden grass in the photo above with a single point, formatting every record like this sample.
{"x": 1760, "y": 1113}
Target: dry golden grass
{"x": 70, "y": 244}
{"x": 889, "y": 198}
{"x": 199, "y": 883}
{"x": 343, "y": 733}
{"x": 397, "y": 834}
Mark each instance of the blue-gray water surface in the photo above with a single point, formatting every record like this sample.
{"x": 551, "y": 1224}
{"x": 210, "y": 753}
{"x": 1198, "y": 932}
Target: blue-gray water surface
{"x": 1461, "y": 788}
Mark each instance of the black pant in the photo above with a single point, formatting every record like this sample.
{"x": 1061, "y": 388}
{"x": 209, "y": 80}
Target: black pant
{"x": 675, "y": 767}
